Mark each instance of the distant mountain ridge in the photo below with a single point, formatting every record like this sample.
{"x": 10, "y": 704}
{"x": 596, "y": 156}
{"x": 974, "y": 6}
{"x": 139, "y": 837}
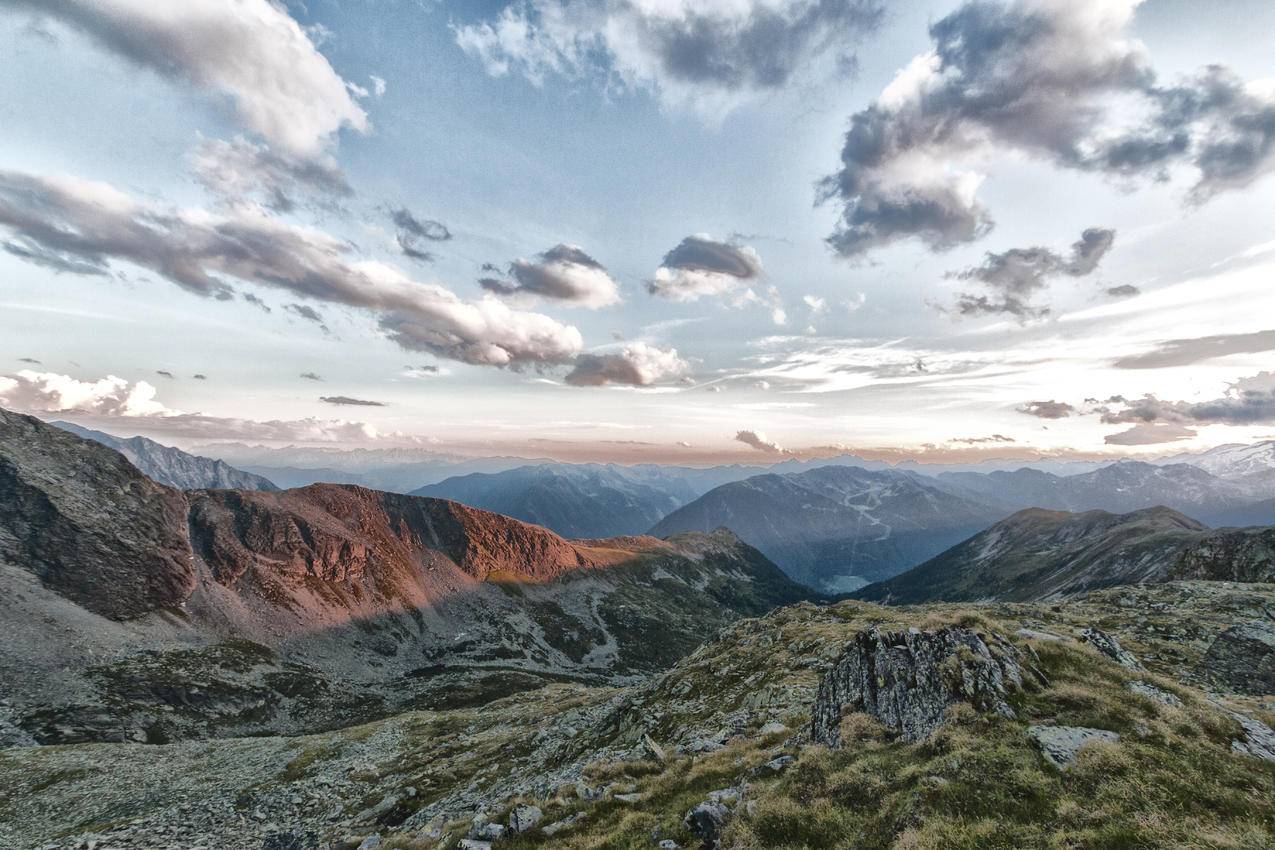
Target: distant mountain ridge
{"x": 171, "y": 466}
{"x": 1041, "y": 555}
{"x": 833, "y": 526}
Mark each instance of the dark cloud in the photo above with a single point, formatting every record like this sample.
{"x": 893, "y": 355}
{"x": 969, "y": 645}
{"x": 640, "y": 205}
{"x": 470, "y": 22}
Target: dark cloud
{"x": 1184, "y": 352}
{"x": 1125, "y": 290}
{"x": 1016, "y": 275}
{"x": 164, "y": 374}
{"x": 635, "y": 365}
{"x": 1047, "y": 409}
{"x": 55, "y": 261}
{"x": 311, "y": 376}
{"x": 1054, "y": 82}
{"x": 204, "y": 254}
{"x": 700, "y": 265}
{"x": 1248, "y": 401}
{"x": 344, "y": 400}
{"x": 306, "y": 312}
{"x": 681, "y": 49}
{"x": 433, "y": 370}
{"x": 255, "y": 301}
{"x": 28, "y": 360}
{"x": 413, "y": 231}
{"x": 562, "y": 273}
{"x": 199, "y": 377}
{"x": 977, "y": 441}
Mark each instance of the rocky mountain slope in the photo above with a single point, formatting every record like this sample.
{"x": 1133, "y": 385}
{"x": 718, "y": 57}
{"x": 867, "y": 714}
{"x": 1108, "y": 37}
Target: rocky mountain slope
{"x": 1038, "y": 554}
{"x": 173, "y": 467}
{"x": 1042, "y": 555}
{"x": 138, "y": 612}
{"x": 1067, "y": 747}
{"x": 838, "y": 527}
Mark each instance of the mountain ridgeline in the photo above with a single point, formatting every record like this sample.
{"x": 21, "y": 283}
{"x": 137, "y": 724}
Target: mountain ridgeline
{"x": 171, "y": 466}
{"x": 279, "y": 611}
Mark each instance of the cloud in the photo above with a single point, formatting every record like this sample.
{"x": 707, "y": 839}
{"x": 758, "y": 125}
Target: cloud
{"x": 50, "y": 392}
{"x": 1125, "y": 290}
{"x": 28, "y": 360}
{"x": 1184, "y": 352}
{"x": 306, "y": 312}
{"x": 164, "y": 374}
{"x": 1047, "y": 409}
{"x": 637, "y": 364}
{"x": 55, "y": 261}
{"x": 204, "y": 252}
{"x": 701, "y": 265}
{"x": 378, "y": 85}
{"x": 1247, "y": 401}
{"x": 711, "y": 56}
{"x": 1016, "y": 275}
{"x": 346, "y": 401}
{"x": 123, "y": 406}
{"x": 242, "y": 171}
{"x": 249, "y": 53}
{"x": 977, "y": 441}
{"x": 1146, "y": 434}
{"x": 199, "y": 377}
{"x": 758, "y": 441}
{"x": 563, "y": 273}
{"x": 412, "y": 231}
{"x": 311, "y": 376}
{"x": 1059, "y": 82}
{"x": 815, "y": 303}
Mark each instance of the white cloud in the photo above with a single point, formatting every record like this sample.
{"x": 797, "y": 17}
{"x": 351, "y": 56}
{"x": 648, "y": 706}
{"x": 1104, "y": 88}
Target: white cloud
{"x": 50, "y": 392}
{"x": 637, "y": 364}
{"x": 564, "y": 273}
{"x": 94, "y": 225}
{"x": 759, "y": 441}
{"x": 249, "y": 52}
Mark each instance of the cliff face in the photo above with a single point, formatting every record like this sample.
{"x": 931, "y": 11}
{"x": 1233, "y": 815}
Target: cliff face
{"x": 88, "y": 523}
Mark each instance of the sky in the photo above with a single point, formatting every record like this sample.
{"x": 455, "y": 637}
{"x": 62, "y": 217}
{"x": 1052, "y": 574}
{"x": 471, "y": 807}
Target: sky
{"x": 643, "y": 229}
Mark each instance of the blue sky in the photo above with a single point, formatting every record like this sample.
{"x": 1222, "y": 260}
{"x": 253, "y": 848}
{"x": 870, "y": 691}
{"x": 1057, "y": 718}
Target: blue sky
{"x": 588, "y": 134}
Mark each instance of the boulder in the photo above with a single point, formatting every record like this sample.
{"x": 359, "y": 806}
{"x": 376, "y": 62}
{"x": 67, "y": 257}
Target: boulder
{"x": 652, "y": 749}
{"x": 372, "y": 842}
{"x": 1110, "y": 647}
{"x": 471, "y": 844}
{"x": 523, "y": 818}
{"x": 1259, "y": 739}
{"x": 1061, "y": 744}
{"x": 706, "y": 821}
{"x": 906, "y": 680}
{"x": 1242, "y": 659}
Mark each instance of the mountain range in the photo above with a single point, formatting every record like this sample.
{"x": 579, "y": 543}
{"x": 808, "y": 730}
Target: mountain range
{"x": 139, "y": 611}
{"x": 172, "y": 466}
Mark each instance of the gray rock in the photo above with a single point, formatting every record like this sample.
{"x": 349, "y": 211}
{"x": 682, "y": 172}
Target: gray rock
{"x": 706, "y": 821}
{"x": 487, "y": 832}
{"x": 1034, "y": 634}
{"x": 1110, "y": 647}
{"x": 627, "y": 798}
{"x": 775, "y": 766}
{"x": 905, "y": 680}
{"x": 1061, "y": 744}
{"x": 471, "y": 844}
{"x": 561, "y": 825}
{"x": 652, "y": 749}
{"x": 371, "y": 842}
{"x": 774, "y": 727}
{"x": 1150, "y": 691}
{"x": 296, "y": 840}
{"x": 1259, "y": 739}
{"x": 524, "y": 817}
{"x": 669, "y": 844}
{"x": 1242, "y": 659}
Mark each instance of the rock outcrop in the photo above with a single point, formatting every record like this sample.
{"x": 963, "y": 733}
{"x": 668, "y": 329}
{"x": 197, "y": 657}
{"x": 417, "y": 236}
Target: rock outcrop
{"x": 1110, "y": 647}
{"x": 1246, "y": 554}
{"x": 1242, "y": 659}
{"x": 908, "y": 679}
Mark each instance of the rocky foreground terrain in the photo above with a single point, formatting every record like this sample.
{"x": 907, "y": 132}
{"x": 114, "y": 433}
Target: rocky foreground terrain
{"x": 334, "y": 668}
{"x": 1128, "y": 718}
